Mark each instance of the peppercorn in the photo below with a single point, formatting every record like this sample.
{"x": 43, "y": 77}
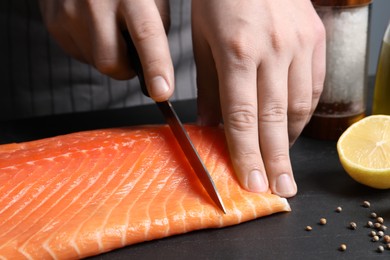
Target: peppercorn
{"x": 383, "y": 227}
{"x": 352, "y": 225}
{"x": 372, "y": 233}
{"x": 377, "y": 225}
{"x": 309, "y": 228}
{"x": 373, "y": 215}
{"x": 386, "y": 238}
{"x": 380, "y": 233}
{"x": 380, "y": 220}
{"x": 339, "y": 209}
{"x": 343, "y": 247}
{"x": 366, "y": 204}
{"x": 370, "y": 224}
{"x": 381, "y": 249}
{"x": 375, "y": 238}
{"x": 323, "y": 221}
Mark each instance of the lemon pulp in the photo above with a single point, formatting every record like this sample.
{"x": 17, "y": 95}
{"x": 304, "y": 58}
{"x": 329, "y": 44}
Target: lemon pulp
{"x": 364, "y": 151}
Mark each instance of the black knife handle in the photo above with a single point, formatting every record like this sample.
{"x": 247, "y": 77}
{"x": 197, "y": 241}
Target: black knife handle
{"x": 135, "y": 62}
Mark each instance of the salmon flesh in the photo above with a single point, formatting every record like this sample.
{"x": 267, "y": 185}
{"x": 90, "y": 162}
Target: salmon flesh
{"x": 82, "y": 194}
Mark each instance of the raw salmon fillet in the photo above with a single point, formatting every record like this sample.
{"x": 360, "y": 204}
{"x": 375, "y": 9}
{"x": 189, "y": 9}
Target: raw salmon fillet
{"x": 85, "y": 193}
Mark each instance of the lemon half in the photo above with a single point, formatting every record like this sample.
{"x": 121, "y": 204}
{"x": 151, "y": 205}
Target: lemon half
{"x": 364, "y": 151}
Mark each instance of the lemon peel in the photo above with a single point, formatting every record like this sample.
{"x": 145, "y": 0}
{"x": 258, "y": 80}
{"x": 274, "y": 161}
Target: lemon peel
{"x": 364, "y": 151}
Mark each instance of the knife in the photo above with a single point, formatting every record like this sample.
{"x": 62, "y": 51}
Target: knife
{"x": 177, "y": 128}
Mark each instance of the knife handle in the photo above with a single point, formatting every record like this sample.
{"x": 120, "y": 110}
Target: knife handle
{"x": 135, "y": 62}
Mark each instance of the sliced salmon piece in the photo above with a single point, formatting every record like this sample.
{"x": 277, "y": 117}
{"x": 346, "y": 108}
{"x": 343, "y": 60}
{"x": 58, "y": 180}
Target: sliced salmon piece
{"x": 86, "y": 193}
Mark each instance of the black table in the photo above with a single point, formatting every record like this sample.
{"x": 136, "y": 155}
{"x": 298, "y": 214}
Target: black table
{"x": 323, "y": 185}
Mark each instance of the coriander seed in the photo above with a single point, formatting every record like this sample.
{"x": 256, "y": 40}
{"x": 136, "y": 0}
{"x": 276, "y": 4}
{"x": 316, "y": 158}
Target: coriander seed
{"x": 388, "y": 245}
{"x": 343, "y": 247}
{"x": 309, "y": 228}
{"x": 380, "y": 220}
{"x": 323, "y": 221}
{"x": 380, "y": 233}
{"x": 366, "y": 204}
{"x": 339, "y": 209}
{"x": 372, "y": 233}
{"x": 381, "y": 249}
{"x": 386, "y": 239}
{"x": 370, "y": 224}
{"x": 352, "y": 225}
{"x": 377, "y": 225}
{"x": 375, "y": 238}
{"x": 373, "y": 215}
{"x": 383, "y": 227}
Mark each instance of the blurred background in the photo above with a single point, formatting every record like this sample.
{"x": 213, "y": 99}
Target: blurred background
{"x": 380, "y": 16}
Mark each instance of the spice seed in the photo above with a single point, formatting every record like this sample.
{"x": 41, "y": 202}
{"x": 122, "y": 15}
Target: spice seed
{"x": 370, "y": 224}
{"x": 380, "y": 233}
{"x": 373, "y": 215}
{"x": 383, "y": 227}
{"x": 309, "y": 228}
{"x": 375, "y": 238}
{"x": 388, "y": 245}
{"x": 352, "y": 225}
{"x": 372, "y": 233}
{"x": 380, "y": 220}
{"x": 377, "y": 225}
{"x": 343, "y": 247}
{"x": 323, "y": 221}
{"x": 386, "y": 238}
{"x": 339, "y": 209}
{"x": 366, "y": 204}
{"x": 381, "y": 249}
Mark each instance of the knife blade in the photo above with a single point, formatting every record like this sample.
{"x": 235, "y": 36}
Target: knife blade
{"x": 177, "y": 129}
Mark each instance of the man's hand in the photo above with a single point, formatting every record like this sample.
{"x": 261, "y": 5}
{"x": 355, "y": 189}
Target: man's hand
{"x": 261, "y": 67}
{"x": 91, "y": 31}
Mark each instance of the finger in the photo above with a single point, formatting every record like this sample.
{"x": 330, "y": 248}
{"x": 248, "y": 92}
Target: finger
{"x": 318, "y": 67}
{"x": 68, "y": 44}
{"x": 148, "y": 34}
{"x": 209, "y": 109}
{"x": 299, "y": 95}
{"x": 239, "y": 108}
{"x": 274, "y": 143}
{"x": 56, "y": 18}
{"x": 109, "y": 54}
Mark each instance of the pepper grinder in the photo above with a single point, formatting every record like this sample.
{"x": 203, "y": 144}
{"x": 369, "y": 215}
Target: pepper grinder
{"x": 343, "y": 100}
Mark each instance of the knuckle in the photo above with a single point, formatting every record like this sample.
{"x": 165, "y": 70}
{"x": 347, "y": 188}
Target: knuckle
{"x": 241, "y": 53}
{"x": 146, "y": 30}
{"x": 153, "y": 65}
{"x": 112, "y": 68}
{"x": 317, "y": 89}
{"x": 300, "y": 110}
{"x": 242, "y": 117}
{"x": 302, "y": 38}
{"x": 319, "y": 30}
{"x": 277, "y": 41}
{"x": 275, "y": 112}
{"x": 106, "y": 66}
{"x": 279, "y": 157}
{"x": 67, "y": 11}
{"x": 250, "y": 156}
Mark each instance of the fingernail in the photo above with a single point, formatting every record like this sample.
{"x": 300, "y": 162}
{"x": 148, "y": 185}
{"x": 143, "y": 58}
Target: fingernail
{"x": 158, "y": 86}
{"x": 284, "y": 185}
{"x": 256, "y": 182}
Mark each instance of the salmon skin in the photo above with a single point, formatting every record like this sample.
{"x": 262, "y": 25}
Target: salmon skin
{"x": 86, "y": 193}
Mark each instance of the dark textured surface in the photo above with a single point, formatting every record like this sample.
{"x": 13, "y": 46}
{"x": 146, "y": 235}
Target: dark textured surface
{"x": 323, "y": 185}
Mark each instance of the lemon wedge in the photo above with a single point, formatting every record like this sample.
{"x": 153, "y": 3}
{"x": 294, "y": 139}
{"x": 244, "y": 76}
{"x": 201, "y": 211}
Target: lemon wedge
{"x": 364, "y": 151}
